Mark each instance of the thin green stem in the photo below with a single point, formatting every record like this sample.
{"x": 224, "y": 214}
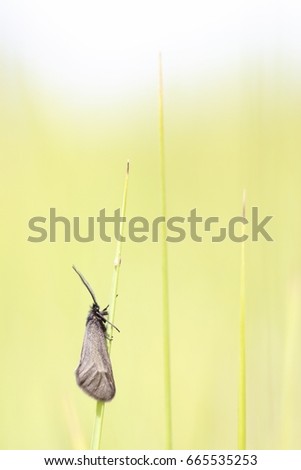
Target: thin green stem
{"x": 165, "y": 297}
{"x": 98, "y": 423}
{"x": 242, "y": 348}
{"x": 117, "y": 259}
{"x": 100, "y": 405}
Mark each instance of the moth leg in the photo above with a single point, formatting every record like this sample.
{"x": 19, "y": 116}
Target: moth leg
{"x": 109, "y": 338}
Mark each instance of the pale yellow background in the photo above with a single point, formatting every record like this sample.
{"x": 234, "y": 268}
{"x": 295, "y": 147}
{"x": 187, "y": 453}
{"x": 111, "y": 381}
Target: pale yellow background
{"x": 74, "y": 107}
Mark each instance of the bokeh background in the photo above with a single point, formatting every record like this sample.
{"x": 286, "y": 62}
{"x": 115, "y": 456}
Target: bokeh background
{"x": 79, "y": 96}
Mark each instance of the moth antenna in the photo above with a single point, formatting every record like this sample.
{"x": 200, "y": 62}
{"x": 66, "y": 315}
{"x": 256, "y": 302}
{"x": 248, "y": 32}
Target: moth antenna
{"x": 86, "y": 284}
{"x": 107, "y": 321}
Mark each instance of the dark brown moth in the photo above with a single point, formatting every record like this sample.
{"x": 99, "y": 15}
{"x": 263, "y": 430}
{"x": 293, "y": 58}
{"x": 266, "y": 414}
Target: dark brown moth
{"x": 94, "y": 373}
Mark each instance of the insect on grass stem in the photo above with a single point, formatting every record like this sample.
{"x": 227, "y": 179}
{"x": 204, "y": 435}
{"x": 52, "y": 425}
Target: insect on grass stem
{"x": 100, "y": 406}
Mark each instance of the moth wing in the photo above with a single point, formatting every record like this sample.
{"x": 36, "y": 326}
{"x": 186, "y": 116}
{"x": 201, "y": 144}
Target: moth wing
{"x": 94, "y": 373}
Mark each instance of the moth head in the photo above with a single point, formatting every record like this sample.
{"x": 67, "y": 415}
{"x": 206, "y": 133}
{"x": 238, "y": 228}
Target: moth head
{"x": 95, "y": 308}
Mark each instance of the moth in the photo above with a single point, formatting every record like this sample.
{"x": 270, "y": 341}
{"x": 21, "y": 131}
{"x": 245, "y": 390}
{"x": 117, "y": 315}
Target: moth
{"x": 94, "y": 373}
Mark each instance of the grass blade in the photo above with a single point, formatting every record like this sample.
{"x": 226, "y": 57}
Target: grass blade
{"x": 242, "y": 347}
{"x": 100, "y": 406}
{"x": 165, "y": 297}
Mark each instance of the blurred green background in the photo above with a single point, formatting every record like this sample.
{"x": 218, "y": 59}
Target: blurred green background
{"x": 231, "y": 123}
